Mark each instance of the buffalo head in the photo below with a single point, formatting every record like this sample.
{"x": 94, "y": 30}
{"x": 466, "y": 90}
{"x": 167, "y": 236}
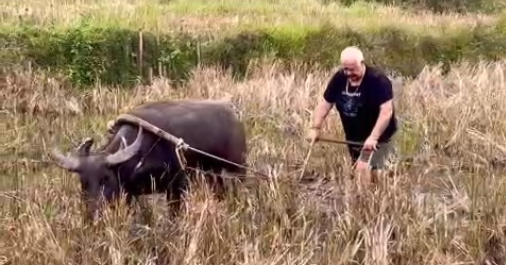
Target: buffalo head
{"x": 96, "y": 171}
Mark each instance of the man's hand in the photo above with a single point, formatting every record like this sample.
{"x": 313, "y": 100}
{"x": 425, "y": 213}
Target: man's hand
{"x": 370, "y": 144}
{"x": 321, "y": 111}
{"x": 313, "y": 134}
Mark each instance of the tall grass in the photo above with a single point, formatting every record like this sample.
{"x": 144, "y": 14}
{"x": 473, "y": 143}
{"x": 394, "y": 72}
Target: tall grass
{"x": 443, "y": 207}
{"x": 227, "y": 16}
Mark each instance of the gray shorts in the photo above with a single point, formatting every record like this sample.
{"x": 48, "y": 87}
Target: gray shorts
{"x": 378, "y": 159}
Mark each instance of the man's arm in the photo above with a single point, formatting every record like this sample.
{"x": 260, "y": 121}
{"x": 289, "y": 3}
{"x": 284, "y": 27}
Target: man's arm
{"x": 385, "y": 100}
{"x": 320, "y": 113}
{"x": 322, "y": 110}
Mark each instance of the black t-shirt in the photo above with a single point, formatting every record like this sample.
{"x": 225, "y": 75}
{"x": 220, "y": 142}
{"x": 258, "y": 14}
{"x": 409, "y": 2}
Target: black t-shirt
{"x": 359, "y": 109}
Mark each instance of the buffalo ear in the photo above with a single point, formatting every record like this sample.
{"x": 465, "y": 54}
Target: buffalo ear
{"x": 84, "y": 148}
{"x": 70, "y": 163}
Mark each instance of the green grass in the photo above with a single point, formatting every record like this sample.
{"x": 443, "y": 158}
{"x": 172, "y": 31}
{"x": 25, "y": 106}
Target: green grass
{"x": 99, "y": 40}
{"x": 227, "y": 16}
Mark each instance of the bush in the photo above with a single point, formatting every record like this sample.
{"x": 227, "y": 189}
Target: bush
{"x": 88, "y": 54}
{"x": 111, "y": 55}
{"x": 438, "y": 6}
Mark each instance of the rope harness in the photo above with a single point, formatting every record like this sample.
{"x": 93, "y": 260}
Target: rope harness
{"x": 180, "y": 145}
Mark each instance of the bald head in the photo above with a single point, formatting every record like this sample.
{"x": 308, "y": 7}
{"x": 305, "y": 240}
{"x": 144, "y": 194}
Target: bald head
{"x": 351, "y": 60}
{"x": 352, "y": 55}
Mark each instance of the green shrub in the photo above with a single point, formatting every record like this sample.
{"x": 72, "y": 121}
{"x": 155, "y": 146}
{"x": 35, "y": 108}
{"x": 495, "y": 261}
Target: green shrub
{"x": 90, "y": 54}
{"x": 111, "y": 55}
{"x": 438, "y": 6}
{"x": 390, "y": 48}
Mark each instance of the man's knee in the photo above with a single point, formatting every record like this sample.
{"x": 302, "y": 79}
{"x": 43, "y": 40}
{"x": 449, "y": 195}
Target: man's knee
{"x": 383, "y": 154}
{"x": 354, "y": 153}
{"x": 377, "y": 159}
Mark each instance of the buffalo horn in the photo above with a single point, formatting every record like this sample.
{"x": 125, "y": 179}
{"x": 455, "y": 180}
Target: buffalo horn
{"x": 126, "y": 153}
{"x": 71, "y": 163}
{"x": 123, "y": 142}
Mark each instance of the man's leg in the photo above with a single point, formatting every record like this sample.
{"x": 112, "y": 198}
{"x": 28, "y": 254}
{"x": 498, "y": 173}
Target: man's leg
{"x": 379, "y": 160}
{"x": 370, "y": 164}
{"x": 354, "y": 152}
{"x": 363, "y": 168}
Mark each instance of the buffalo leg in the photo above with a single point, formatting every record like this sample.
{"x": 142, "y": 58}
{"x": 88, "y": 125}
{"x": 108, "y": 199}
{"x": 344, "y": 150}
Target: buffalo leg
{"x": 175, "y": 191}
{"x": 217, "y": 183}
{"x": 237, "y": 177}
{"x": 142, "y": 202}
{"x": 129, "y": 202}
{"x": 173, "y": 203}
{"x": 218, "y": 168}
{"x": 130, "y": 199}
{"x": 212, "y": 172}
{"x": 147, "y": 210}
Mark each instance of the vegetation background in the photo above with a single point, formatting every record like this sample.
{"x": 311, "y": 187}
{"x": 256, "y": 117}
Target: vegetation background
{"x": 69, "y": 66}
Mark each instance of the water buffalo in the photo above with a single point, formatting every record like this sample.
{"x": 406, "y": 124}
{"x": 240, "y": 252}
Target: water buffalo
{"x": 211, "y": 126}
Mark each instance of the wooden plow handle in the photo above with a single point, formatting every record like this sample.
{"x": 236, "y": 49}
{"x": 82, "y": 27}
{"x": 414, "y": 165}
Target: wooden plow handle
{"x": 336, "y": 141}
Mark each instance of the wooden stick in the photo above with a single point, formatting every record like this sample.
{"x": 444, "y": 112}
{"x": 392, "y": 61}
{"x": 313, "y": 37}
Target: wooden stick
{"x": 307, "y": 159}
{"x": 336, "y": 141}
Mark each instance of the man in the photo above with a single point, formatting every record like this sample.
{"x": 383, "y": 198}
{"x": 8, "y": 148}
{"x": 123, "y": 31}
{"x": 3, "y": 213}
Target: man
{"x": 363, "y": 97}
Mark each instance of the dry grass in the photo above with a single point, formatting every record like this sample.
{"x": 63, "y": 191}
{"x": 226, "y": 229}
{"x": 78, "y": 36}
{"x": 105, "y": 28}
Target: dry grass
{"x": 227, "y": 16}
{"x": 444, "y": 208}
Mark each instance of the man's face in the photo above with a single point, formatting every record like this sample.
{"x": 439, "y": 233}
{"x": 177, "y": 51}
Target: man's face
{"x": 353, "y": 70}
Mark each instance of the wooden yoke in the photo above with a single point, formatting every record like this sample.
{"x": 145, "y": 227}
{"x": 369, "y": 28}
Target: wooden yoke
{"x": 178, "y": 142}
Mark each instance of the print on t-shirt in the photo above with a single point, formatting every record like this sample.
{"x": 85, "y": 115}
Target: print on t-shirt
{"x": 349, "y": 103}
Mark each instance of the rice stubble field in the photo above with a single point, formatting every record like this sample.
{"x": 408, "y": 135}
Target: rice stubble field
{"x": 441, "y": 204}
